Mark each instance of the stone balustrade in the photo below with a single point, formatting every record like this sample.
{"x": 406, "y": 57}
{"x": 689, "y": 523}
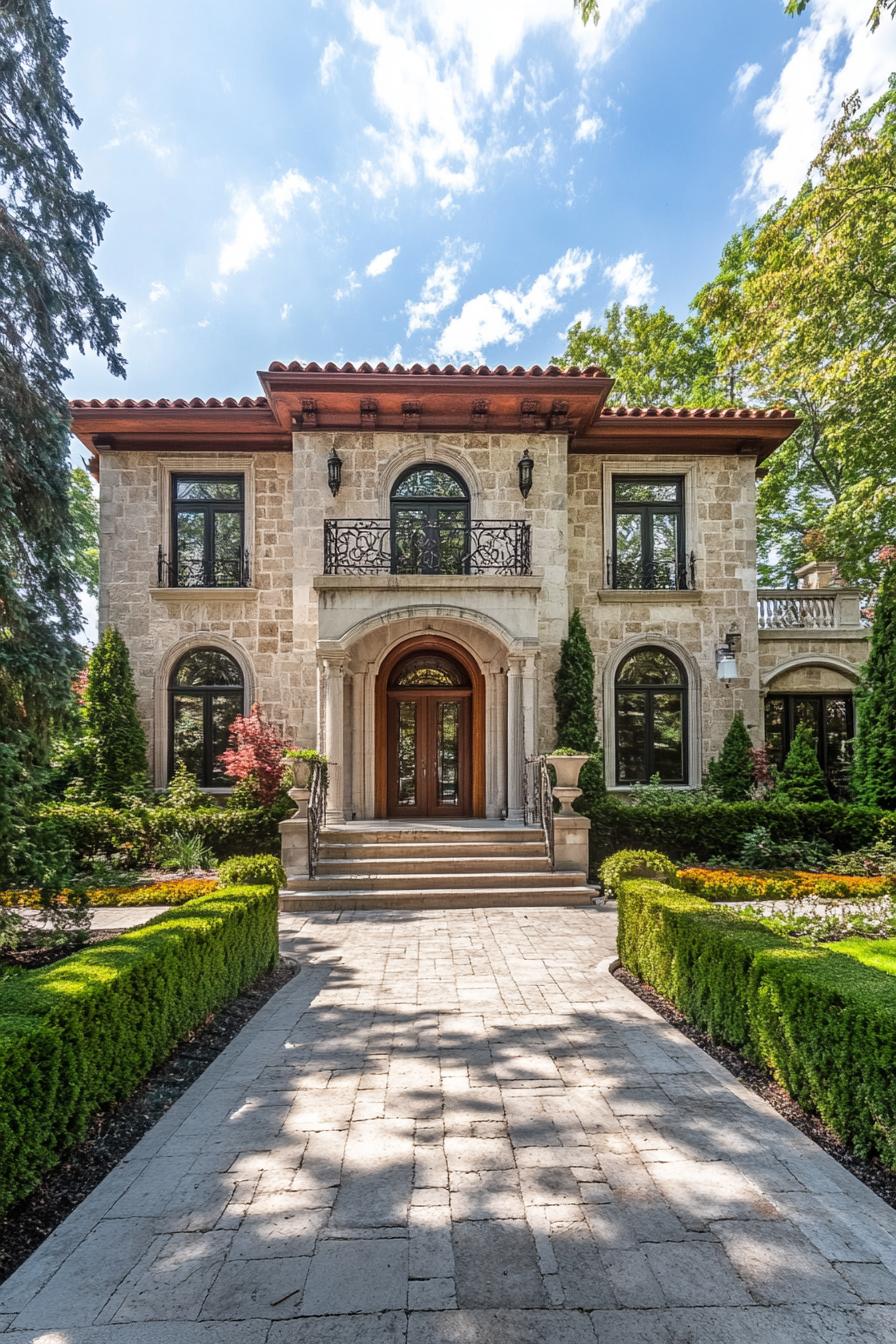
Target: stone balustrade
{"x": 810, "y": 609}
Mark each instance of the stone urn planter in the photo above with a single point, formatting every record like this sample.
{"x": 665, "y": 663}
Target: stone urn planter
{"x": 567, "y": 769}
{"x": 300, "y": 769}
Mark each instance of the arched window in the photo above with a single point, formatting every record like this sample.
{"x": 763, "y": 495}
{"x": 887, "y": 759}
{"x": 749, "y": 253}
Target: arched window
{"x": 651, "y": 718}
{"x": 205, "y": 694}
{"x": 430, "y": 509}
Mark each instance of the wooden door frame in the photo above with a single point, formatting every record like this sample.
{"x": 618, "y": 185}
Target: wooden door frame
{"x": 430, "y": 643}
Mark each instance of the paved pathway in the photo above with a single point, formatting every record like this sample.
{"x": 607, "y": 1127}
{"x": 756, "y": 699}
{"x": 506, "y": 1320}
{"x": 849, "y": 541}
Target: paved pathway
{"x": 455, "y": 1129}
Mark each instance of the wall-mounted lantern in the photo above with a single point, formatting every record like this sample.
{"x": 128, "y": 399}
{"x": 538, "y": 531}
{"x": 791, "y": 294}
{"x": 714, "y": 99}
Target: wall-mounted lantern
{"x": 726, "y": 657}
{"x": 334, "y": 472}
{"x": 524, "y": 470}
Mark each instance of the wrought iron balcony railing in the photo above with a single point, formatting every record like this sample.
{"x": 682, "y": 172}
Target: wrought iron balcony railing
{"x": 370, "y": 546}
{"x": 231, "y": 571}
{"x": 653, "y": 575}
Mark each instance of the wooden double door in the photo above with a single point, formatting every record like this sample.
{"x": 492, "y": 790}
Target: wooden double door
{"x": 429, "y": 758}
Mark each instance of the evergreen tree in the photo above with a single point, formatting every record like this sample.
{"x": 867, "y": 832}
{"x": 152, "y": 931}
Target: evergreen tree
{"x": 731, "y": 776}
{"x": 874, "y": 765}
{"x": 52, "y": 301}
{"x": 802, "y": 778}
{"x": 574, "y": 690}
{"x": 117, "y": 742}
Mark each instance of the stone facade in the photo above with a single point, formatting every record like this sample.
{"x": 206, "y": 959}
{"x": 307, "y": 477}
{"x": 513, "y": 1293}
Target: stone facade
{"x": 310, "y": 644}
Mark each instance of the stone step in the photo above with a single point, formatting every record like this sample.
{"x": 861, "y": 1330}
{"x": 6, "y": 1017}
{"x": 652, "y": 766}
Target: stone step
{"x": 472, "y": 898}
{"x": 415, "y": 864}
{"x": 414, "y": 851}
{"x": 407, "y": 833}
{"x": 456, "y": 879}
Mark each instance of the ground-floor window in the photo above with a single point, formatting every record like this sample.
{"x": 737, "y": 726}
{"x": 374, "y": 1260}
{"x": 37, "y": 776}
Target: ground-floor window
{"x": 651, "y": 718}
{"x": 831, "y": 719}
{"x": 205, "y": 695}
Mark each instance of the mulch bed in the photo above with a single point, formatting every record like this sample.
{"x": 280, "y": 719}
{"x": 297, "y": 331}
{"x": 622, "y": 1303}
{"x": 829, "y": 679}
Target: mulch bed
{"x": 877, "y": 1177}
{"x": 114, "y": 1132}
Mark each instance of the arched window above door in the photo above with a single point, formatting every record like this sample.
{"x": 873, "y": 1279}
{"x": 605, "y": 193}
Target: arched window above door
{"x": 430, "y": 521}
{"x": 651, "y": 718}
{"x": 205, "y": 693}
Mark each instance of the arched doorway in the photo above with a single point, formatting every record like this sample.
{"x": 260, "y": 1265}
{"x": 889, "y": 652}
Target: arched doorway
{"x": 430, "y": 732}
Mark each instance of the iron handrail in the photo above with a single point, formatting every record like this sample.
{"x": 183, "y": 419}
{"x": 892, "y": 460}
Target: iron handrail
{"x": 317, "y": 813}
{"x": 539, "y": 800}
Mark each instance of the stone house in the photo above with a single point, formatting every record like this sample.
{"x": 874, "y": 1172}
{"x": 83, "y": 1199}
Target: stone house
{"x": 386, "y": 560}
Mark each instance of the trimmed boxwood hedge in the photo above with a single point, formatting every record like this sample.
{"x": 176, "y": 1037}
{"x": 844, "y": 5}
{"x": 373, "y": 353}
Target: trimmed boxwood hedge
{"x": 713, "y": 829}
{"x": 82, "y": 1033}
{"x": 136, "y": 834}
{"x": 822, "y": 1023}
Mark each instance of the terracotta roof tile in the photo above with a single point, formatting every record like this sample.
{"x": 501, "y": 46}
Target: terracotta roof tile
{"x": 698, "y": 412}
{"x": 465, "y": 370}
{"x": 177, "y": 404}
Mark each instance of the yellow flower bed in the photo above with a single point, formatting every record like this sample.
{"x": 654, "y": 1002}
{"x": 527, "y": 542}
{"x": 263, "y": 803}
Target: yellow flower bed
{"x": 720, "y": 884}
{"x": 173, "y": 892}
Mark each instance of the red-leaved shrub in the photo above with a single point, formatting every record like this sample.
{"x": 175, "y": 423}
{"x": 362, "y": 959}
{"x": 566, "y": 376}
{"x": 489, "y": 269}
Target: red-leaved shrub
{"x": 255, "y": 755}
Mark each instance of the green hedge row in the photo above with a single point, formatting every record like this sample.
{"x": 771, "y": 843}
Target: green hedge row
{"x": 138, "y": 833}
{"x": 84, "y": 1032}
{"x": 709, "y": 829}
{"x": 824, "y": 1024}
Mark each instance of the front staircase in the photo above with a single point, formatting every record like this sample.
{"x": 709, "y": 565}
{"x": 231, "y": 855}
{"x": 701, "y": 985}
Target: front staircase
{"x": 400, "y": 865}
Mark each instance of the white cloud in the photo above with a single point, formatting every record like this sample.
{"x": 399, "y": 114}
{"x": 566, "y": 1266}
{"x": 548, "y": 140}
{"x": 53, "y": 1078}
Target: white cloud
{"x": 131, "y": 127}
{"x": 444, "y": 82}
{"x": 632, "y": 279}
{"x": 744, "y": 77}
{"x": 285, "y": 311}
{"x": 350, "y": 285}
{"x": 382, "y": 261}
{"x": 441, "y": 288}
{"x": 203, "y": 322}
{"x": 834, "y": 54}
{"x": 328, "y": 61}
{"x": 583, "y": 317}
{"x": 394, "y": 355}
{"x": 587, "y": 127}
{"x": 157, "y": 290}
{"x": 255, "y": 219}
{"x": 219, "y": 288}
{"x": 503, "y": 316}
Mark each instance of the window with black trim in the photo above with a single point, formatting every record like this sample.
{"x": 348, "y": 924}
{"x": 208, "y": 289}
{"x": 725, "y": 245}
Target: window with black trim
{"x": 208, "y": 548}
{"x": 205, "y": 695}
{"x": 651, "y": 718}
{"x": 832, "y": 720}
{"x": 430, "y": 519}
{"x": 648, "y": 548}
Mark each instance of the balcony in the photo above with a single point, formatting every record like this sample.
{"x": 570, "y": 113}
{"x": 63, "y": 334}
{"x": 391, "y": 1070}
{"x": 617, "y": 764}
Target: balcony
{"x": 224, "y": 571}
{"x": 813, "y": 611}
{"x": 358, "y": 546}
{"x": 652, "y": 575}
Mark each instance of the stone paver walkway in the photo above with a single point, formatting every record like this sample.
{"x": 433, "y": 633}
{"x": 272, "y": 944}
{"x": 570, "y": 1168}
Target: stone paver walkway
{"x": 453, "y": 1128}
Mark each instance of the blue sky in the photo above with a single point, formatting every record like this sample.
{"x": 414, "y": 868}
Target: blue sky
{"x": 341, "y": 179}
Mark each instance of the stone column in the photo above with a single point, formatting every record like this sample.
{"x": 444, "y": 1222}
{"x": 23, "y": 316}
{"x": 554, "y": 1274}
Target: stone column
{"x": 515, "y": 742}
{"x": 530, "y": 706}
{"x": 332, "y": 672}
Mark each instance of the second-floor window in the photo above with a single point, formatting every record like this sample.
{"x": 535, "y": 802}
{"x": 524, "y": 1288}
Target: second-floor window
{"x": 208, "y": 532}
{"x": 430, "y": 522}
{"x": 648, "y": 548}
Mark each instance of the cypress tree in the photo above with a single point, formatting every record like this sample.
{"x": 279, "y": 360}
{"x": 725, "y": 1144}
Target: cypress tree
{"x": 802, "y": 779}
{"x": 732, "y": 774}
{"x": 52, "y": 302}
{"x": 574, "y": 690}
{"x": 874, "y": 764}
{"x": 115, "y": 735}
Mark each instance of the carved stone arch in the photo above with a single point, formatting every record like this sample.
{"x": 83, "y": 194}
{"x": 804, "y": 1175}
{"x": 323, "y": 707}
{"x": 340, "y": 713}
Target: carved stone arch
{"x": 429, "y": 452}
{"x": 164, "y": 671}
{"x": 831, "y": 661}
{"x": 694, "y": 702}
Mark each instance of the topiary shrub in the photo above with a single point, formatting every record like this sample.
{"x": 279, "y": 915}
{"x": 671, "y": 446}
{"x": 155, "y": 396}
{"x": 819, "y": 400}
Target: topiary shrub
{"x": 802, "y": 779}
{"x": 874, "y": 763}
{"x": 628, "y": 863}
{"x": 115, "y": 737}
{"x": 731, "y": 776}
{"x": 252, "y": 869}
{"x": 574, "y": 690}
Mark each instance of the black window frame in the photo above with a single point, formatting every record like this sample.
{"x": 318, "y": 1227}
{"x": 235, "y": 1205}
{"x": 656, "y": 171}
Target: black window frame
{"x": 206, "y": 694}
{"x": 646, "y": 510}
{"x": 431, "y": 550}
{"x": 649, "y": 690}
{"x": 834, "y": 776}
{"x": 209, "y": 508}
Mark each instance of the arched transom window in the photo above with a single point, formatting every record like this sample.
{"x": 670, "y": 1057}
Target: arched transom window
{"x": 430, "y": 508}
{"x": 205, "y": 694}
{"x": 651, "y": 718}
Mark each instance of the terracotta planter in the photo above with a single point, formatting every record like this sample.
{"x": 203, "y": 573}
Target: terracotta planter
{"x": 567, "y": 769}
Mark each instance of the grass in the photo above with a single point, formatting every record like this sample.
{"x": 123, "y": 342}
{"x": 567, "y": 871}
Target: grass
{"x": 877, "y": 952}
